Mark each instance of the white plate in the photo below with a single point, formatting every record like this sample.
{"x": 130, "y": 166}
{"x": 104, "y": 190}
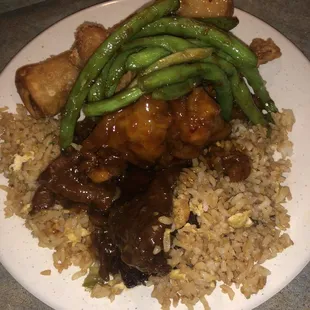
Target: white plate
{"x": 288, "y": 82}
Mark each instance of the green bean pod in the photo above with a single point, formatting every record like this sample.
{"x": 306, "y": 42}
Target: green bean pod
{"x": 171, "y": 43}
{"x": 145, "y": 58}
{"x": 186, "y": 56}
{"x": 222, "y": 22}
{"x": 181, "y": 73}
{"x": 117, "y": 70}
{"x": 175, "y": 91}
{"x": 190, "y": 28}
{"x": 96, "y": 91}
{"x": 100, "y": 58}
{"x": 115, "y": 103}
{"x": 257, "y": 83}
{"x": 241, "y": 93}
{"x": 199, "y": 43}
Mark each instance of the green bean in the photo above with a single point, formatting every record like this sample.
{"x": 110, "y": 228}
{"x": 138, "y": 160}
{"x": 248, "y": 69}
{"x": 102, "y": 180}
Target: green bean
{"x": 181, "y": 73}
{"x": 144, "y": 58}
{"x": 117, "y": 102}
{"x": 164, "y": 77}
{"x": 241, "y": 93}
{"x": 96, "y": 91}
{"x": 191, "y": 28}
{"x": 170, "y": 43}
{"x": 198, "y": 43}
{"x": 186, "y": 56}
{"x": 222, "y": 22}
{"x": 175, "y": 91}
{"x": 257, "y": 83}
{"x": 100, "y": 58}
{"x": 117, "y": 70}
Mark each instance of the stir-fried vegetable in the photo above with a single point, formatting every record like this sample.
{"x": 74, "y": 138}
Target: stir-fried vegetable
{"x": 116, "y": 72}
{"x": 223, "y": 22}
{"x": 168, "y": 76}
{"x": 100, "y": 58}
{"x": 169, "y": 42}
{"x": 186, "y": 56}
{"x": 177, "y": 90}
{"x": 170, "y": 56}
{"x": 240, "y": 91}
{"x": 96, "y": 92}
{"x": 146, "y": 57}
{"x": 119, "y": 101}
{"x": 190, "y": 28}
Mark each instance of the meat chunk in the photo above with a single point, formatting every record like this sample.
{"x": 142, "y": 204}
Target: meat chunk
{"x": 152, "y": 131}
{"x": 43, "y": 199}
{"x": 265, "y": 50}
{"x": 105, "y": 249}
{"x": 136, "y": 227}
{"x": 110, "y": 260}
{"x": 196, "y": 123}
{"x": 107, "y": 163}
{"x": 66, "y": 177}
{"x": 84, "y": 128}
{"x": 206, "y": 8}
{"x": 232, "y": 163}
{"x": 138, "y": 132}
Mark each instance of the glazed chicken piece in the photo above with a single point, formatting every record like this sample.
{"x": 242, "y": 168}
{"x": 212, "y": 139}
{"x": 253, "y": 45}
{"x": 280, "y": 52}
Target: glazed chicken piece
{"x": 152, "y": 130}
{"x": 265, "y": 50}
{"x": 196, "y": 123}
{"x": 138, "y": 131}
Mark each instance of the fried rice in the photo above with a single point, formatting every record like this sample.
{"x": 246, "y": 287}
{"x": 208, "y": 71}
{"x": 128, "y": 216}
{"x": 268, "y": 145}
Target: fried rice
{"x": 240, "y": 225}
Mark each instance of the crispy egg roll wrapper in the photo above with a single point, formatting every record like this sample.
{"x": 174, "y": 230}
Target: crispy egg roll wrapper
{"x": 88, "y": 37}
{"x": 44, "y": 87}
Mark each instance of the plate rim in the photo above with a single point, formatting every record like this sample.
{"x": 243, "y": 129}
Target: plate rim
{"x": 267, "y": 295}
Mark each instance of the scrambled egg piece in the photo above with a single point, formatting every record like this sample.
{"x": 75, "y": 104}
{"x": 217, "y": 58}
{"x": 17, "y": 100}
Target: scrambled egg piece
{"x": 240, "y": 220}
{"x": 75, "y": 236}
{"x": 181, "y": 212}
{"x": 26, "y": 209}
{"x": 20, "y": 160}
{"x": 120, "y": 286}
{"x": 177, "y": 275}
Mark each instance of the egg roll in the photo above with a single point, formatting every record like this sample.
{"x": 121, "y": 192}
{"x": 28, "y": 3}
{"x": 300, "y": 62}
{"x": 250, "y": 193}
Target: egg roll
{"x": 88, "y": 38}
{"x": 44, "y": 87}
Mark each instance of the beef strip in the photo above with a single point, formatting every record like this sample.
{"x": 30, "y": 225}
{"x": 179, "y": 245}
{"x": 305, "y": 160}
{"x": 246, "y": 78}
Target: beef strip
{"x": 84, "y": 128}
{"x": 135, "y": 226}
{"x": 65, "y": 177}
{"x": 233, "y": 163}
{"x": 108, "y": 253}
{"x": 43, "y": 199}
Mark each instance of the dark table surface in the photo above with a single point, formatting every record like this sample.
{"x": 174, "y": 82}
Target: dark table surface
{"x": 22, "y": 20}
